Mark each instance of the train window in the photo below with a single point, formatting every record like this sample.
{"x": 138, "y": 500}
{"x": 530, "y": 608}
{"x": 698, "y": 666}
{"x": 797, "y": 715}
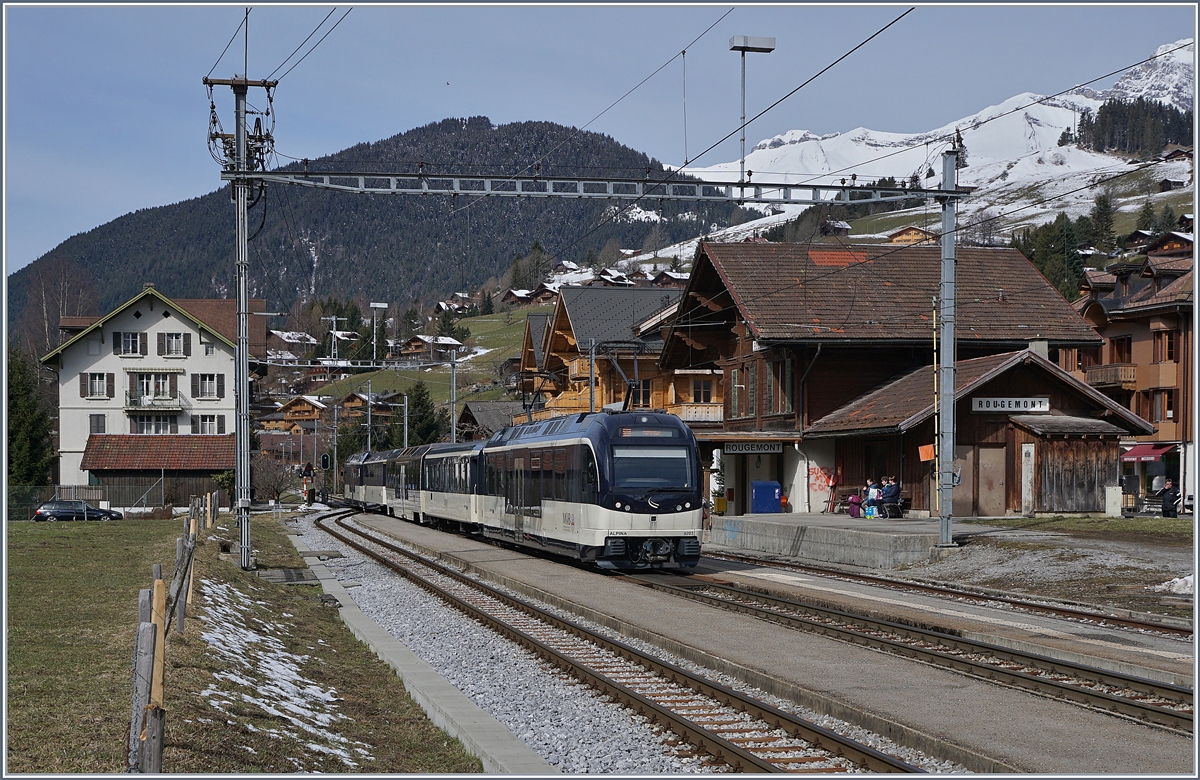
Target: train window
{"x": 590, "y": 480}
{"x": 651, "y": 468}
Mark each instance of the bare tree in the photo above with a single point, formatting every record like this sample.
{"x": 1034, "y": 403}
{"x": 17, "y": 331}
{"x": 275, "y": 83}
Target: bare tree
{"x": 271, "y": 477}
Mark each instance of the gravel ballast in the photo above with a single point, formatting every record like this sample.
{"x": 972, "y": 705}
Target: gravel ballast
{"x": 572, "y": 726}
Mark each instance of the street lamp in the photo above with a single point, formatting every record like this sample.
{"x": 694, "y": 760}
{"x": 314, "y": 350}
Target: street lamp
{"x": 745, "y": 43}
{"x": 374, "y": 332}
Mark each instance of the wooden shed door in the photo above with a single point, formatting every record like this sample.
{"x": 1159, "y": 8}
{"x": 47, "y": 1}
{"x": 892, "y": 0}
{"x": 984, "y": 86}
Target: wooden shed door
{"x": 964, "y": 491}
{"x": 992, "y": 495}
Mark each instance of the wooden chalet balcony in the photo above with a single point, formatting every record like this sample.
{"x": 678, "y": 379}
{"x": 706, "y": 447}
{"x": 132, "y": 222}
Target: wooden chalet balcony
{"x": 700, "y": 413}
{"x": 1123, "y": 375}
{"x": 141, "y": 403}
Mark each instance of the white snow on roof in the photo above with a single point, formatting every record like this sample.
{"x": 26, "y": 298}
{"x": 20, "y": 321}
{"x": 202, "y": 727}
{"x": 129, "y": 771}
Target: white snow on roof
{"x": 294, "y": 336}
{"x": 345, "y": 335}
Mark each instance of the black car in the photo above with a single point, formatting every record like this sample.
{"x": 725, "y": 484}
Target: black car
{"x": 74, "y": 510}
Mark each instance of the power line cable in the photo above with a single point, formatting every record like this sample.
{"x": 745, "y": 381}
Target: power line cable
{"x": 231, "y": 39}
{"x": 315, "y": 45}
{"x": 306, "y": 40}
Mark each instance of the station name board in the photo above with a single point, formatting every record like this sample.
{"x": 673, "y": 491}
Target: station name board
{"x": 752, "y": 448}
{"x": 1010, "y": 404}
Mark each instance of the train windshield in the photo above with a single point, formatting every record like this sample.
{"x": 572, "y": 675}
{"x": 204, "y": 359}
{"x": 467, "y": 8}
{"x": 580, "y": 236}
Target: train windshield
{"x": 646, "y": 469}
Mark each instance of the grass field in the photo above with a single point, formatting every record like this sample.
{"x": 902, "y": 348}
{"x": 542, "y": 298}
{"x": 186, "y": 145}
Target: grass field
{"x": 72, "y": 590}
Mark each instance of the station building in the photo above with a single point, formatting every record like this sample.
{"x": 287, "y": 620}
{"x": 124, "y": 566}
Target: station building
{"x": 824, "y": 357}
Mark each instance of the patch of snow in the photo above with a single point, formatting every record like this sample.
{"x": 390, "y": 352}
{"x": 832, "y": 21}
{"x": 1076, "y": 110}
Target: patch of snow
{"x": 1180, "y": 585}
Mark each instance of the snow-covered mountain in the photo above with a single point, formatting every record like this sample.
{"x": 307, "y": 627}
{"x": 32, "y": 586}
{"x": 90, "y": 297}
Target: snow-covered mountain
{"x": 1013, "y": 156}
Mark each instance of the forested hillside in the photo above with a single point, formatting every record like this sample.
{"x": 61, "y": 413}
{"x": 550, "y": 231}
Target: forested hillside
{"x": 398, "y": 249}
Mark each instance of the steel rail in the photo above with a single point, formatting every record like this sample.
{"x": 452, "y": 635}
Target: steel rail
{"x": 1031, "y": 606}
{"x": 1141, "y": 711}
{"x": 728, "y": 752}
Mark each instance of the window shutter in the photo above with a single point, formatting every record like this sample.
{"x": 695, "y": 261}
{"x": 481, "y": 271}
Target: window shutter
{"x": 83, "y": 385}
{"x": 142, "y": 343}
{"x": 162, "y": 343}
{"x": 174, "y": 382}
{"x": 220, "y": 423}
{"x": 133, "y": 425}
{"x": 187, "y": 344}
{"x": 195, "y": 424}
{"x": 220, "y": 385}
{"x": 111, "y": 382}
{"x": 116, "y": 342}
{"x": 133, "y": 380}
{"x": 174, "y": 424}
{"x": 195, "y": 385}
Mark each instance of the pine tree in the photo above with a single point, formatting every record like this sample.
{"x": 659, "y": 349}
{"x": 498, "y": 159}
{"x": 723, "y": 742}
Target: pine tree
{"x": 1146, "y": 216}
{"x": 1166, "y": 221}
{"x": 30, "y": 452}
{"x": 1102, "y": 215}
{"x": 488, "y": 307}
{"x": 426, "y": 425}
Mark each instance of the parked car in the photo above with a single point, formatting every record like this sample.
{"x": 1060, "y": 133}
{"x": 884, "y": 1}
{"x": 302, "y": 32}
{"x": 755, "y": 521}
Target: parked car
{"x": 74, "y": 510}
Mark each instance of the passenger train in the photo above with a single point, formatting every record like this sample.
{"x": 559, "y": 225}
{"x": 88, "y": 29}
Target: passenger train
{"x": 618, "y": 489}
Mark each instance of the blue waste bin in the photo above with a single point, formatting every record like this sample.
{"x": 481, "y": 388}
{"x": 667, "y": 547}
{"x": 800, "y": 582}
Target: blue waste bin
{"x": 764, "y": 497}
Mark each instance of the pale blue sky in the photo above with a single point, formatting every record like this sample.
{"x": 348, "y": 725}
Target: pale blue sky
{"x": 105, "y": 112}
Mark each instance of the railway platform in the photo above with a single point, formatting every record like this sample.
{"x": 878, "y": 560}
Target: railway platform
{"x": 875, "y": 543}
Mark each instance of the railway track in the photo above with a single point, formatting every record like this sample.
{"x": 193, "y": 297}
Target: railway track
{"x": 736, "y": 730}
{"x": 1056, "y": 610}
{"x": 1148, "y": 701}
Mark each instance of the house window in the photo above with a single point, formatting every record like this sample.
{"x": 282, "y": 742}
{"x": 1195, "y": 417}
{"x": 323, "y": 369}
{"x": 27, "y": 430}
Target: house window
{"x": 207, "y": 386}
{"x": 1120, "y": 350}
{"x": 208, "y": 424}
{"x": 702, "y": 391}
{"x": 1164, "y": 346}
{"x": 97, "y": 386}
{"x": 130, "y": 344}
{"x": 95, "y": 423}
{"x": 1088, "y": 356}
{"x": 779, "y": 387}
{"x": 154, "y": 385}
{"x": 210, "y": 348}
{"x": 735, "y": 393}
{"x": 154, "y": 423}
{"x": 1164, "y": 406}
{"x": 174, "y": 344}
{"x": 641, "y": 393}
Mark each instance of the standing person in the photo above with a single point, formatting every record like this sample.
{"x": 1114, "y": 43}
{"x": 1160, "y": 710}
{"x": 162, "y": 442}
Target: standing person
{"x": 1170, "y": 499}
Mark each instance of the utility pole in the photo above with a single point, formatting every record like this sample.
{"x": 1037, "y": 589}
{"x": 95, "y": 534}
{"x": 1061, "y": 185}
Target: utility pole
{"x": 745, "y": 43}
{"x": 239, "y": 163}
{"x": 453, "y": 397}
{"x": 946, "y": 356}
{"x": 333, "y": 332}
{"x": 368, "y": 415}
{"x": 592, "y": 377}
{"x": 406, "y": 421}
{"x": 375, "y": 307}
{"x": 335, "y": 458}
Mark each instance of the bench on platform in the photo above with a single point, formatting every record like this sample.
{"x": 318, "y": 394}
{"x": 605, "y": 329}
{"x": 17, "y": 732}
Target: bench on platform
{"x": 896, "y": 510}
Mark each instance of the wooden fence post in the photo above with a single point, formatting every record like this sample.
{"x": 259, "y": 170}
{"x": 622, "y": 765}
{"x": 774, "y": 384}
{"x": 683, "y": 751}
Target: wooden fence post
{"x": 180, "y": 603}
{"x": 145, "y": 610}
{"x": 152, "y": 748}
{"x": 143, "y": 670}
{"x": 159, "y": 618}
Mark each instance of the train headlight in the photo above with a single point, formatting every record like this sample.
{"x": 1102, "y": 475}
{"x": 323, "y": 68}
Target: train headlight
{"x": 688, "y": 505}
{"x": 618, "y": 505}
{"x": 678, "y": 508}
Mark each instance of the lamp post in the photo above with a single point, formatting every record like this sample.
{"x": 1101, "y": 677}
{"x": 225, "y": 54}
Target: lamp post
{"x": 375, "y": 307}
{"x": 745, "y": 43}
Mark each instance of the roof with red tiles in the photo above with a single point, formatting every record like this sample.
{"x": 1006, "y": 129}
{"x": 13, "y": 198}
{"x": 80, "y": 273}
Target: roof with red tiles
{"x": 182, "y": 452}
{"x": 1177, "y": 292}
{"x": 903, "y": 403}
{"x": 788, "y": 291}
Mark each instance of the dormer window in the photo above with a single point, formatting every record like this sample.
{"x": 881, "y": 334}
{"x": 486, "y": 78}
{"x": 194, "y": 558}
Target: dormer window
{"x": 1123, "y": 286}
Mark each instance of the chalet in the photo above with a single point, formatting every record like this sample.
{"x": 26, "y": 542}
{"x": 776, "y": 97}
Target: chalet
{"x": 622, "y": 328}
{"x": 1172, "y": 244}
{"x": 516, "y": 297}
{"x": 911, "y": 234}
{"x": 422, "y": 347}
{"x": 480, "y": 419}
{"x": 835, "y": 227}
{"x": 1177, "y": 153}
{"x": 145, "y": 391}
{"x": 670, "y": 279}
{"x": 1166, "y": 185}
{"x": 1146, "y": 363}
{"x": 1135, "y": 241}
{"x": 297, "y": 413}
{"x": 823, "y": 327}
{"x": 1185, "y": 223}
{"x": 382, "y": 406}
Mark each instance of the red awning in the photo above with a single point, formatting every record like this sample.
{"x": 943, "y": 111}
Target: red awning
{"x": 1146, "y": 452}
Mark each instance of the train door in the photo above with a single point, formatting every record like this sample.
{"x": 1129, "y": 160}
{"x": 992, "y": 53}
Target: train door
{"x": 519, "y": 485}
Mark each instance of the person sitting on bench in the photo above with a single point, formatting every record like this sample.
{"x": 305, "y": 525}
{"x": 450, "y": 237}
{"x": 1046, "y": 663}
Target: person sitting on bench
{"x": 889, "y": 498}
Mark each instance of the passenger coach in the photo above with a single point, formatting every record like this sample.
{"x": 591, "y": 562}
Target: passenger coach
{"x": 618, "y": 489}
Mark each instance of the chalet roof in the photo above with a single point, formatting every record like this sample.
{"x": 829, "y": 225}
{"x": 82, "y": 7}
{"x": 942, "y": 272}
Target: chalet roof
{"x": 907, "y": 401}
{"x": 873, "y": 292}
{"x": 1178, "y": 291}
{"x": 610, "y": 313}
{"x": 906, "y": 228}
{"x": 294, "y": 337}
{"x": 537, "y": 333}
{"x": 1060, "y": 424}
{"x": 73, "y": 322}
{"x": 217, "y": 315}
{"x": 490, "y": 416}
{"x": 179, "y": 452}
{"x": 1096, "y": 278}
{"x": 441, "y": 341}
{"x": 1171, "y": 235}
{"x": 1158, "y": 264}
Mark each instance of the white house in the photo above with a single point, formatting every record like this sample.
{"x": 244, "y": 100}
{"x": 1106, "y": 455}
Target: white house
{"x": 149, "y": 389}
